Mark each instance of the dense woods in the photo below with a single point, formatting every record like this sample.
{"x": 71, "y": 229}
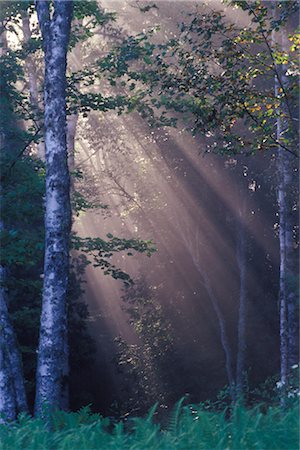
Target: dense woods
{"x": 149, "y": 223}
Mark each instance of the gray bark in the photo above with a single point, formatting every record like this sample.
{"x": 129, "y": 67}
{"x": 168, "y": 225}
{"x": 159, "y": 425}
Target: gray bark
{"x": 12, "y": 390}
{"x": 71, "y": 134}
{"x": 52, "y": 353}
{"x": 287, "y": 172}
{"x": 288, "y": 261}
{"x": 33, "y": 84}
{"x": 241, "y": 262}
{"x": 8, "y": 409}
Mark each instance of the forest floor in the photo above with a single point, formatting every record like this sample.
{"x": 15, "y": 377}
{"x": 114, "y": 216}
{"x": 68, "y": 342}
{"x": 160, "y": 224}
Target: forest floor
{"x": 190, "y": 427}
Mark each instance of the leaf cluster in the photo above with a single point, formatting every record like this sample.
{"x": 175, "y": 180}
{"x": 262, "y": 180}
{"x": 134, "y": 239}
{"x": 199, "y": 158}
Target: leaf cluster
{"x": 101, "y": 251}
{"x": 217, "y": 77}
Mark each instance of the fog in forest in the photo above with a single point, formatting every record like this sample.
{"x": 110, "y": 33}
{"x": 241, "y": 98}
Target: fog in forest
{"x": 212, "y": 220}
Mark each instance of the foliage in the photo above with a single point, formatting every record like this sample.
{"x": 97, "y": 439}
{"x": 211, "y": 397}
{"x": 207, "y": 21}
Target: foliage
{"x": 146, "y": 365}
{"x": 195, "y": 428}
{"x": 22, "y": 240}
{"x": 96, "y": 17}
{"x": 80, "y": 204}
{"x": 217, "y": 77}
{"x": 267, "y": 394}
{"x": 22, "y": 245}
{"x": 101, "y": 250}
{"x": 22, "y": 252}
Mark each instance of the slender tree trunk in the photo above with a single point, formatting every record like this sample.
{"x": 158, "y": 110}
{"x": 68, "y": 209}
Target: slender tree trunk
{"x": 241, "y": 261}
{"x": 195, "y": 252}
{"x": 71, "y": 134}
{"x": 288, "y": 297}
{"x": 287, "y": 200}
{"x": 8, "y": 410}
{"x": 12, "y": 390}
{"x": 11, "y": 356}
{"x": 52, "y": 353}
{"x": 289, "y": 177}
{"x": 223, "y": 334}
{"x": 33, "y": 84}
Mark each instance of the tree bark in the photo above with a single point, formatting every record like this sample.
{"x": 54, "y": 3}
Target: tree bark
{"x": 12, "y": 391}
{"x": 71, "y": 133}
{"x": 52, "y": 354}
{"x": 8, "y": 410}
{"x": 241, "y": 262}
{"x": 287, "y": 202}
{"x": 287, "y": 170}
{"x": 33, "y": 84}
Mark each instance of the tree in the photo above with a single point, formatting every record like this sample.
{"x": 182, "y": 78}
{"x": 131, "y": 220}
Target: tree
{"x": 288, "y": 299}
{"x": 31, "y": 69}
{"x": 146, "y": 366}
{"x": 12, "y": 390}
{"x": 218, "y": 78}
{"x": 52, "y": 351}
{"x": 22, "y": 237}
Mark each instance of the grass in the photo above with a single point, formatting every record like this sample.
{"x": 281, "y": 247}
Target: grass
{"x": 190, "y": 427}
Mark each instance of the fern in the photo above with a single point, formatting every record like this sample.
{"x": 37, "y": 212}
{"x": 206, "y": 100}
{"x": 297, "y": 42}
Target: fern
{"x": 174, "y": 418}
{"x": 190, "y": 427}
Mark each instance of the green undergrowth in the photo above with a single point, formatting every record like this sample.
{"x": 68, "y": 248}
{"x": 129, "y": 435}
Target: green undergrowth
{"x": 189, "y": 427}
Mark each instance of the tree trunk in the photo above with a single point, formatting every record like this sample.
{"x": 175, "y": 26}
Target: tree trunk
{"x": 287, "y": 168}
{"x": 8, "y": 410}
{"x": 287, "y": 201}
{"x": 33, "y": 84}
{"x": 223, "y": 334}
{"x": 241, "y": 262}
{"x": 71, "y": 133}
{"x": 195, "y": 252}
{"x": 288, "y": 261}
{"x": 12, "y": 390}
{"x": 52, "y": 354}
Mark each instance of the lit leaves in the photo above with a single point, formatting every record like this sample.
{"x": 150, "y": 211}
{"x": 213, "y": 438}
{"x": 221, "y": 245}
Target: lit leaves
{"x": 101, "y": 251}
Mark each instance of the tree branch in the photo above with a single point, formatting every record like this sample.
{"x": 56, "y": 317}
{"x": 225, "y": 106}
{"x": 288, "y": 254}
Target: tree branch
{"x": 43, "y": 12}
{"x": 3, "y": 177}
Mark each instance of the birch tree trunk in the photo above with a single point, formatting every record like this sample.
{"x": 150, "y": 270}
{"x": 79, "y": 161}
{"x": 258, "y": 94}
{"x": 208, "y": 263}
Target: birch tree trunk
{"x": 71, "y": 133}
{"x": 7, "y": 396}
{"x": 75, "y": 61}
{"x": 287, "y": 171}
{"x": 287, "y": 201}
{"x": 12, "y": 391}
{"x": 33, "y": 84}
{"x": 52, "y": 353}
